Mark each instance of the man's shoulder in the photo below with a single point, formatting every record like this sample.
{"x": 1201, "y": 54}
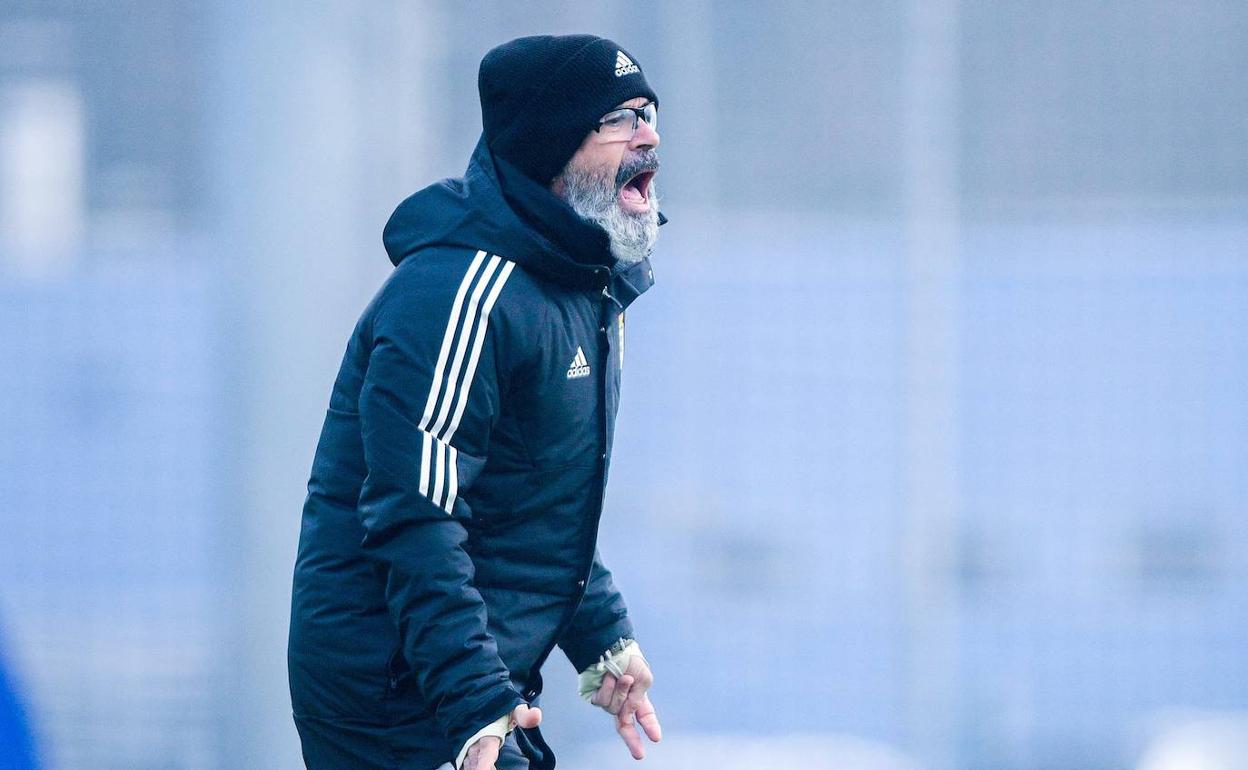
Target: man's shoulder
{"x": 443, "y": 279}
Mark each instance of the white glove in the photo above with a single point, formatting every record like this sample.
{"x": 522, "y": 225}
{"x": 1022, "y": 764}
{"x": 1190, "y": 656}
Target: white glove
{"x": 614, "y": 661}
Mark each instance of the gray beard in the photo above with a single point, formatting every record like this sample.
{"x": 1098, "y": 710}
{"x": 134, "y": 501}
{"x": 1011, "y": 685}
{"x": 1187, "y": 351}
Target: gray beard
{"x": 596, "y": 199}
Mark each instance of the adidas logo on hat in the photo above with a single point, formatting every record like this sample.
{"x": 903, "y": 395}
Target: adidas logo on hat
{"x": 624, "y": 65}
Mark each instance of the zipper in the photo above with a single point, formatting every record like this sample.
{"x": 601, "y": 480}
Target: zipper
{"x": 530, "y": 691}
{"x": 606, "y": 293}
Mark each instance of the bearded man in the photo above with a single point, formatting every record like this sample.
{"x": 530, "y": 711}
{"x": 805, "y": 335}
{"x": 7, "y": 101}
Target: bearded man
{"x": 449, "y": 535}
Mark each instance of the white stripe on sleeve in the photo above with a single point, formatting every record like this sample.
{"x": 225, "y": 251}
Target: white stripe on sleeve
{"x": 439, "y": 472}
{"x": 448, "y": 340}
{"x": 453, "y": 478}
{"x": 470, "y": 319}
{"x": 476, "y": 347}
{"x": 425, "y": 440}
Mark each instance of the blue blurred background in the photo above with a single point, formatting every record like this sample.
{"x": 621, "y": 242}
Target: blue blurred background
{"x": 935, "y": 428}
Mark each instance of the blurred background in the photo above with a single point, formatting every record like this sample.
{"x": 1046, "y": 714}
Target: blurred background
{"x": 935, "y": 429}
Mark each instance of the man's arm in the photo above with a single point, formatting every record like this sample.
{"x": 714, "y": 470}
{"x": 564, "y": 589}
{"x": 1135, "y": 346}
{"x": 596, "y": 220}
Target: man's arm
{"x": 428, "y": 402}
{"x": 613, "y": 673}
{"x": 601, "y": 620}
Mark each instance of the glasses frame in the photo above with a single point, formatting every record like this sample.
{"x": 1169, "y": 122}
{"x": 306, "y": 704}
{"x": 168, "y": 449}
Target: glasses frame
{"x": 639, "y": 114}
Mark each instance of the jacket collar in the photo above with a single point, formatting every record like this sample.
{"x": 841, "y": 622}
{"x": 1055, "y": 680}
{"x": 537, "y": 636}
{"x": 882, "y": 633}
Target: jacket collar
{"x": 630, "y": 282}
{"x": 565, "y": 248}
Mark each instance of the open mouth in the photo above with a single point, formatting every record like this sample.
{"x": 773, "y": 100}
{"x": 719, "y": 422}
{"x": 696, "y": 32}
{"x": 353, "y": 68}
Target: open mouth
{"x": 637, "y": 189}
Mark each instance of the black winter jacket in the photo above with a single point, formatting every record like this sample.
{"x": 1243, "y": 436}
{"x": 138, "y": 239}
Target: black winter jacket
{"x": 448, "y": 537}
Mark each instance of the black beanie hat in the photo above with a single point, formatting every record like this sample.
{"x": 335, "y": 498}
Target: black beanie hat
{"x": 541, "y": 96}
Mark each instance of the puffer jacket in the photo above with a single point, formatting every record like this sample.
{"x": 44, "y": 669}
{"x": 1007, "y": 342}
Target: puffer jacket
{"x": 448, "y": 536}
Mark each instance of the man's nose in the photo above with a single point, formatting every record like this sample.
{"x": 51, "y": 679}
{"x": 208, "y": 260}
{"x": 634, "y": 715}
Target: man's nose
{"x": 645, "y": 138}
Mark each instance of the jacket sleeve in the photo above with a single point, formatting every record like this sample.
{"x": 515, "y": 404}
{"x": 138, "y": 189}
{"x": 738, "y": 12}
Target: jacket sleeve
{"x": 601, "y": 619}
{"x": 427, "y": 404}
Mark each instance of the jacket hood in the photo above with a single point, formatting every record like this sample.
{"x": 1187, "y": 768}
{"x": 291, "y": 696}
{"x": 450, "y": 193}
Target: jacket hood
{"x": 496, "y": 208}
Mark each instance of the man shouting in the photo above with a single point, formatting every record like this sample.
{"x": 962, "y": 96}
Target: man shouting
{"x": 449, "y": 533}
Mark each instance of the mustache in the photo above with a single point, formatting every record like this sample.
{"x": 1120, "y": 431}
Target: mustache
{"x": 646, "y": 160}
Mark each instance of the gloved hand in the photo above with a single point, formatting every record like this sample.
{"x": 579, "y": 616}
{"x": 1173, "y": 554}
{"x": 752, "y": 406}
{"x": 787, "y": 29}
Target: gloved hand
{"x": 480, "y": 752}
{"x": 619, "y": 683}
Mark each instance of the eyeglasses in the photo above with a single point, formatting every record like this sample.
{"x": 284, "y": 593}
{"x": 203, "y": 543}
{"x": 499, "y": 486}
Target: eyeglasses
{"x": 621, "y": 125}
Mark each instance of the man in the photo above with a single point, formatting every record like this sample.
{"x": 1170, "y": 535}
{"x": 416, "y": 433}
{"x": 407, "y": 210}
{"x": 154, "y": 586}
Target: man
{"x": 448, "y": 538}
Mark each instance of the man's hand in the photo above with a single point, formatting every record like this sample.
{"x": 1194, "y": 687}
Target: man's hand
{"x": 625, "y": 697}
{"x": 484, "y": 753}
